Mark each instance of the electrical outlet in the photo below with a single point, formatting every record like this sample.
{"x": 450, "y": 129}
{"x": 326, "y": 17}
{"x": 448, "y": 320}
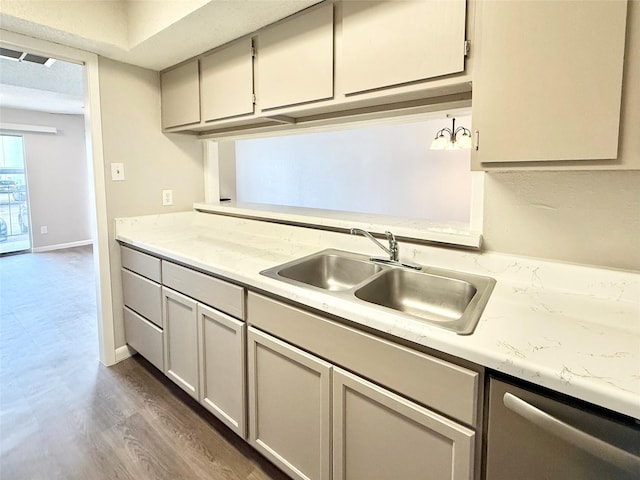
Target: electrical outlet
{"x": 167, "y": 198}
{"x": 44, "y": 230}
{"x": 117, "y": 172}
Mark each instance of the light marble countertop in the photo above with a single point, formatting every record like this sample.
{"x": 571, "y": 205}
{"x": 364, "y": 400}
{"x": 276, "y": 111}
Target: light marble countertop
{"x": 572, "y": 328}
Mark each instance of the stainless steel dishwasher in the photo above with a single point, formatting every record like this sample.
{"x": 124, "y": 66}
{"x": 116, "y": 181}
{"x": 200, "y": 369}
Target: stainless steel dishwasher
{"x": 532, "y": 436}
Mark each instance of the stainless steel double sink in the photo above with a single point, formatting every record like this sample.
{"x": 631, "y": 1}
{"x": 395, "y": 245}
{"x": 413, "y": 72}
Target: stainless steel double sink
{"x": 445, "y": 298}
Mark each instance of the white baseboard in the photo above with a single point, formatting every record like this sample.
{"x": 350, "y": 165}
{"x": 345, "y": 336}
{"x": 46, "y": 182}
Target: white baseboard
{"x": 124, "y": 352}
{"x": 60, "y": 246}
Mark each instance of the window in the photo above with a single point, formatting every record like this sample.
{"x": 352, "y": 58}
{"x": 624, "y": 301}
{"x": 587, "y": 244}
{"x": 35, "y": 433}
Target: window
{"x": 386, "y": 171}
{"x": 14, "y": 206}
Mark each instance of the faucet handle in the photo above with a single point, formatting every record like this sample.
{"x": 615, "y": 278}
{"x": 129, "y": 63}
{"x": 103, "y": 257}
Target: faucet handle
{"x": 394, "y": 249}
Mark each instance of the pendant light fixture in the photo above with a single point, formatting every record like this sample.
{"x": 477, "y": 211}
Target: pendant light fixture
{"x": 452, "y": 138}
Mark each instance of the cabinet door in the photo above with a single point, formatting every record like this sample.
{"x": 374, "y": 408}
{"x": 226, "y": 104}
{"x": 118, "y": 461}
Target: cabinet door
{"x": 222, "y": 367}
{"x": 548, "y": 80}
{"x": 289, "y": 406}
{"x": 295, "y": 60}
{"x": 388, "y": 42}
{"x": 380, "y": 435}
{"x": 227, "y": 81}
{"x": 181, "y": 341}
{"x": 180, "y": 91}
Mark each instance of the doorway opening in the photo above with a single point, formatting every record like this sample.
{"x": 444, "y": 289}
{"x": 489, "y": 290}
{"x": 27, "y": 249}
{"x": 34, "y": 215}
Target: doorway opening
{"x": 43, "y": 167}
{"x": 94, "y": 180}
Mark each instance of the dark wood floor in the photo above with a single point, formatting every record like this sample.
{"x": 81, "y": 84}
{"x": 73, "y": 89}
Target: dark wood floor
{"x": 63, "y": 415}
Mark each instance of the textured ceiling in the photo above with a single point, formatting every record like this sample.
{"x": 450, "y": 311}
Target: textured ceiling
{"x": 29, "y": 86}
{"x": 151, "y": 33}
{"x": 154, "y": 34}
{"x": 61, "y": 77}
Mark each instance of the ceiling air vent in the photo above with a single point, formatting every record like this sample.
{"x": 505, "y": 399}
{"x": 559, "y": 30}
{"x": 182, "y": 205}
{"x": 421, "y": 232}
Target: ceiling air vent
{"x": 25, "y": 57}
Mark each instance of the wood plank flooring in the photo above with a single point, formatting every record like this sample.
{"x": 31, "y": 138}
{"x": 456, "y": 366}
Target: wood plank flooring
{"x": 63, "y": 415}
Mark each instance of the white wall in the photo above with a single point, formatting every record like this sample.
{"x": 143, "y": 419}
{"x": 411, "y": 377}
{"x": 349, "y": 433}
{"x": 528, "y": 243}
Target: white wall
{"x": 385, "y": 169}
{"x": 588, "y": 217}
{"x": 579, "y": 217}
{"x": 153, "y": 161}
{"x": 147, "y": 18}
{"x": 57, "y": 176}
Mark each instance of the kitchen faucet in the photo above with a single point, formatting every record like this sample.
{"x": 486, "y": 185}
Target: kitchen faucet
{"x": 393, "y": 251}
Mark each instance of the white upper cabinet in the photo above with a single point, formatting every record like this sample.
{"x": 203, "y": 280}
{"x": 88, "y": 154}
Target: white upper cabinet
{"x": 386, "y": 43}
{"x": 295, "y": 60}
{"x": 547, "y": 80}
{"x": 227, "y": 81}
{"x": 180, "y": 95}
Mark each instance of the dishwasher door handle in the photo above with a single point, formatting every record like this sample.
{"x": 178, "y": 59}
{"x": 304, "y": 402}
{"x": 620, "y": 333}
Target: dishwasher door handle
{"x": 582, "y": 440}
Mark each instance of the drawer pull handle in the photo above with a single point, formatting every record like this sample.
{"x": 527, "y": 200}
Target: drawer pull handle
{"x": 596, "y": 447}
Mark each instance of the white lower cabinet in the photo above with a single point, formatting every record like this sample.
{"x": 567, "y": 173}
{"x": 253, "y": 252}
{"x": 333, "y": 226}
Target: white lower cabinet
{"x": 289, "y": 406}
{"x": 204, "y": 351}
{"x": 376, "y": 434}
{"x": 144, "y": 337}
{"x": 142, "y": 298}
{"x": 380, "y": 435}
{"x": 181, "y": 340}
{"x": 222, "y": 367}
{"x": 310, "y": 417}
{"x": 195, "y": 344}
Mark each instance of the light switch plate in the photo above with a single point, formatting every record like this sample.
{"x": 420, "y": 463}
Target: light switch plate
{"x": 167, "y": 197}
{"x": 117, "y": 172}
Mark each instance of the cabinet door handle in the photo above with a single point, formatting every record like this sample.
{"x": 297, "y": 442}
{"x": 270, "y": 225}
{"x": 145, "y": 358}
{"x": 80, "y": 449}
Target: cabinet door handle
{"x": 578, "y": 438}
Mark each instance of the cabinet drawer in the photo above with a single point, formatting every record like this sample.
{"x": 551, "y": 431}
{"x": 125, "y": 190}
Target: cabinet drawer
{"x": 144, "y": 337}
{"x": 141, "y": 263}
{"x": 142, "y": 296}
{"x": 438, "y": 384}
{"x": 219, "y": 294}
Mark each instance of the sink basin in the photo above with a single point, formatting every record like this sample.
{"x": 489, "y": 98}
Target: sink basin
{"x": 329, "y": 271}
{"x": 431, "y": 298}
{"x": 445, "y": 298}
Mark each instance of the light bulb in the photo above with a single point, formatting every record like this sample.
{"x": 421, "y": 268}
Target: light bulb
{"x": 439, "y": 143}
{"x": 464, "y": 141}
